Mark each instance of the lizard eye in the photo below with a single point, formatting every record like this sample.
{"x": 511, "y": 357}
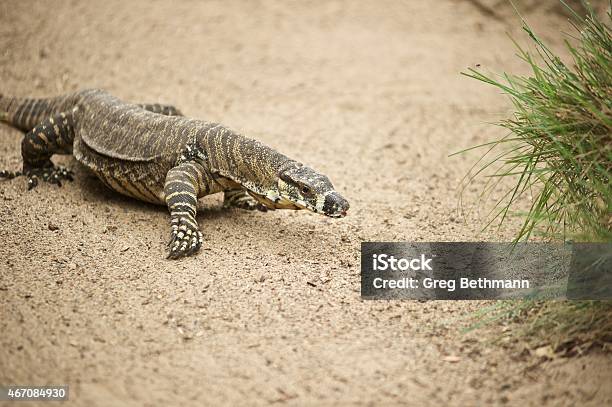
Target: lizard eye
{"x": 305, "y": 190}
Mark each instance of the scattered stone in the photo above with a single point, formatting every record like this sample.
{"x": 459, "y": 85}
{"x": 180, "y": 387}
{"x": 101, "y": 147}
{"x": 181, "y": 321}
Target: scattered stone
{"x": 53, "y": 227}
{"x": 186, "y": 335}
{"x": 451, "y": 359}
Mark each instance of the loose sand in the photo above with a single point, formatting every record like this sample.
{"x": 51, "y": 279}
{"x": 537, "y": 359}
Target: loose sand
{"x": 269, "y": 311}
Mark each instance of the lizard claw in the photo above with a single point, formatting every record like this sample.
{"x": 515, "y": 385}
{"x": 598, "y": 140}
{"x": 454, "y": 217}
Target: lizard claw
{"x": 52, "y": 175}
{"x": 185, "y": 239}
{"x": 32, "y": 181}
{"x": 10, "y": 174}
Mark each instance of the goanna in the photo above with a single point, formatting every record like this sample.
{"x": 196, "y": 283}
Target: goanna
{"x": 152, "y": 153}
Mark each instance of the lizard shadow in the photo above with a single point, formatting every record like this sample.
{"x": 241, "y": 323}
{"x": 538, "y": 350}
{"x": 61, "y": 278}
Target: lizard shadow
{"x": 94, "y": 190}
{"x": 210, "y": 209}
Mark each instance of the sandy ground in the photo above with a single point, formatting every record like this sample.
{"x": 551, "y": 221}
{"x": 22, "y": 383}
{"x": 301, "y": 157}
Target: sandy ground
{"x": 269, "y": 311}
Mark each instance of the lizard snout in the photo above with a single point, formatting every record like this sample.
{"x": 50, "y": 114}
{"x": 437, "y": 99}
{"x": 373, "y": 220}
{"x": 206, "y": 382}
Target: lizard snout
{"x": 335, "y": 205}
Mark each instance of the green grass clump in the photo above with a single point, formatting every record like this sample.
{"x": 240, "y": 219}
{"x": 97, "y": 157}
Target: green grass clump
{"x": 560, "y": 143}
{"x": 559, "y": 152}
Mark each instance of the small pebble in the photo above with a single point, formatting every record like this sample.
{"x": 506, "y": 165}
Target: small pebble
{"x": 451, "y": 359}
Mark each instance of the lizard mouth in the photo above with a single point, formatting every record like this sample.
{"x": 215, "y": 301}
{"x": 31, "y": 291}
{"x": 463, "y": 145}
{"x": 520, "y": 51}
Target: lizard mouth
{"x": 336, "y": 215}
{"x": 284, "y": 203}
{"x": 280, "y": 203}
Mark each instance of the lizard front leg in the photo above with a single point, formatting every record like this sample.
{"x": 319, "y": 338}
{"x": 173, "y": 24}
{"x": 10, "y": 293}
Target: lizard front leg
{"x": 184, "y": 184}
{"x": 240, "y": 198}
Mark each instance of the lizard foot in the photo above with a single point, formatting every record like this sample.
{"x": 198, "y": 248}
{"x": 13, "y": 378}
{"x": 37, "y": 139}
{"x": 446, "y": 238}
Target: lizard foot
{"x": 186, "y": 239}
{"x": 52, "y": 175}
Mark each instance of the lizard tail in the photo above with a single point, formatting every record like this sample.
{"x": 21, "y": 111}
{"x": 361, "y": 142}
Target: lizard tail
{"x": 3, "y": 113}
{"x": 27, "y": 113}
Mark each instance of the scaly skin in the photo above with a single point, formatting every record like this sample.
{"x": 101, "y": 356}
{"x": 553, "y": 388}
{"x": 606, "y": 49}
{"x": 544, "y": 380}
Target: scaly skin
{"x": 152, "y": 153}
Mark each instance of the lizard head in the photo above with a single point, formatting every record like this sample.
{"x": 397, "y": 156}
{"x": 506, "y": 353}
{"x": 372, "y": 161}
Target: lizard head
{"x": 303, "y": 188}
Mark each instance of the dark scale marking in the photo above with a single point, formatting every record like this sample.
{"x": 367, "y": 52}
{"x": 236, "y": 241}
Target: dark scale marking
{"x": 146, "y": 192}
{"x": 110, "y": 180}
{"x": 182, "y": 207}
{"x": 29, "y": 116}
{"x": 37, "y": 110}
{"x": 9, "y": 108}
{"x": 20, "y": 115}
{"x": 109, "y": 186}
{"x": 25, "y": 113}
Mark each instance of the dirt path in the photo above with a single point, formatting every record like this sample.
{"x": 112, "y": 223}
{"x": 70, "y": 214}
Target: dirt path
{"x": 368, "y": 94}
